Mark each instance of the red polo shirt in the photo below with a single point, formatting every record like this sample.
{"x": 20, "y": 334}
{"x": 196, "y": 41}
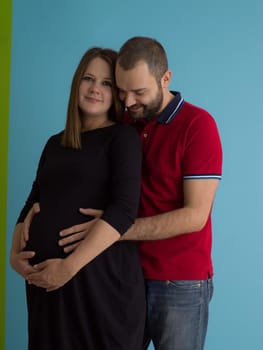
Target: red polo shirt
{"x": 182, "y": 144}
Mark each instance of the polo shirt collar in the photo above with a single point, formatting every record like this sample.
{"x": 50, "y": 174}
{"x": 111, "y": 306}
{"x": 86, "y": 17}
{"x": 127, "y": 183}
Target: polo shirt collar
{"x": 171, "y": 110}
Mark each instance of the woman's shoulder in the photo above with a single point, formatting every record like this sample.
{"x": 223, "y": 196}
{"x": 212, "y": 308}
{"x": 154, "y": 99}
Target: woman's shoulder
{"x": 54, "y": 139}
{"x": 125, "y": 129}
{"x": 124, "y": 135}
{"x": 57, "y": 136}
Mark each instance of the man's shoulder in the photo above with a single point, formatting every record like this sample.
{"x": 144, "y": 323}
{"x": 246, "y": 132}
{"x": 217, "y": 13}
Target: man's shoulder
{"x": 193, "y": 113}
{"x": 192, "y": 109}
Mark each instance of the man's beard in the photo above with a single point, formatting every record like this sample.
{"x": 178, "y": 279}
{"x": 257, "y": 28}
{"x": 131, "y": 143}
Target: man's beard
{"x": 151, "y": 110}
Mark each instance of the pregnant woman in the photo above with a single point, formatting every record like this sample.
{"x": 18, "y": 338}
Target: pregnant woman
{"x": 92, "y": 298}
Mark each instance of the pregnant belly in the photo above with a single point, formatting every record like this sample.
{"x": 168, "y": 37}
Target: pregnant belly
{"x": 44, "y": 235}
{"x": 43, "y": 240}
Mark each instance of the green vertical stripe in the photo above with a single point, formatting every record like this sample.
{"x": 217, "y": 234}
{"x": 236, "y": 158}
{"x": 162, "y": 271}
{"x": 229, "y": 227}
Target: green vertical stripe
{"x": 5, "y": 54}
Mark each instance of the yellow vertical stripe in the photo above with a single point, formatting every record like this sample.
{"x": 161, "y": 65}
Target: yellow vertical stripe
{"x": 5, "y": 55}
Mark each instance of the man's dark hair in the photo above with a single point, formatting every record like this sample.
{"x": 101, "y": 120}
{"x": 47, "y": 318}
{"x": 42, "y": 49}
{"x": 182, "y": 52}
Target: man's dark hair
{"x": 144, "y": 49}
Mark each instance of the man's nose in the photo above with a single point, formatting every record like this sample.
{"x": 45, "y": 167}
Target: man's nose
{"x": 129, "y": 100}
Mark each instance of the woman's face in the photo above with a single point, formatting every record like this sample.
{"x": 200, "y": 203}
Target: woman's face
{"x": 95, "y": 90}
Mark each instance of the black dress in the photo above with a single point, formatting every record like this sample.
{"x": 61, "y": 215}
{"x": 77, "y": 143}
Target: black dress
{"x": 103, "y": 306}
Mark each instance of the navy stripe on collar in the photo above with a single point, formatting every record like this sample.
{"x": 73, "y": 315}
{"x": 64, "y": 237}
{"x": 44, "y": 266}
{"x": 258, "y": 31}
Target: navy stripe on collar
{"x": 171, "y": 109}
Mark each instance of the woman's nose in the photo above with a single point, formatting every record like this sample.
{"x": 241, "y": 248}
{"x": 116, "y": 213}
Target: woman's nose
{"x": 94, "y": 86}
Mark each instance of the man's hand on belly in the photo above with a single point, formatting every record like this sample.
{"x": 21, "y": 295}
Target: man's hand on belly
{"x": 72, "y": 236}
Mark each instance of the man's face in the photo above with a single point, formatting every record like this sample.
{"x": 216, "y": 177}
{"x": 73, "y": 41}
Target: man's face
{"x": 139, "y": 91}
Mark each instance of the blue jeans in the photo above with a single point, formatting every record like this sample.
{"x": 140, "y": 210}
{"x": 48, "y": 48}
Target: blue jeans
{"x": 177, "y": 314}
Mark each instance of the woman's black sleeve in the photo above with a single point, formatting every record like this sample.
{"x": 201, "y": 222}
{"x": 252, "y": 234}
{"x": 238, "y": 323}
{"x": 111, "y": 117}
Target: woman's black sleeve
{"x": 34, "y": 193}
{"x": 126, "y": 157}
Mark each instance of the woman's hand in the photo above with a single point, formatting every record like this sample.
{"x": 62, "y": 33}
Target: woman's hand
{"x": 19, "y": 260}
{"x": 51, "y": 274}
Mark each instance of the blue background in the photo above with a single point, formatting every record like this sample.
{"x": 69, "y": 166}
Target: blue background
{"x": 215, "y": 52}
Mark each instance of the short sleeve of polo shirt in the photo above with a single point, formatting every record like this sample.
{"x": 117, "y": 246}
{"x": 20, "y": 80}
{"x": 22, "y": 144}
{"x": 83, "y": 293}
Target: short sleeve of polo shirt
{"x": 203, "y": 150}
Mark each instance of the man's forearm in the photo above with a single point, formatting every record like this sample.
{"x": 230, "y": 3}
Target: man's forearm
{"x": 198, "y": 200}
{"x": 166, "y": 225}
